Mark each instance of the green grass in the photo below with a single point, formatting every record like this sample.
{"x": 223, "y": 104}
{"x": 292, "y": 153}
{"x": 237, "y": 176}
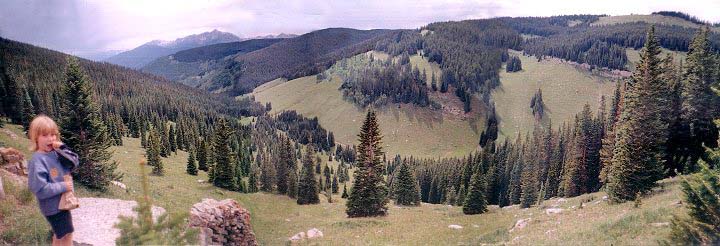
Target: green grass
{"x": 651, "y": 19}
{"x": 407, "y": 129}
{"x": 275, "y": 218}
{"x": 565, "y": 90}
{"x": 633, "y": 56}
{"x": 21, "y": 222}
{"x": 20, "y": 143}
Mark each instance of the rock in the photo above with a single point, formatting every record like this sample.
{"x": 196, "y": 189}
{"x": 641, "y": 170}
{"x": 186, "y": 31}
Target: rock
{"x": 200, "y": 181}
{"x": 299, "y": 236}
{"x": 550, "y": 211}
{"x": 118, "y": 184}
{"x": 679, "y": 203}
{"x": 13, "y": 161}
{"x": 10, "y": 133}
{"x": 605, "y": 198}
{"x": 476, "y": 226}
{"x": 457, "y": 227}
{"x": 522, "y": 223}
{"x": 660, "y": 224}
{"x": 562, "y": 200}
{"x": 314, "y": 233}
{"x": 516, "y": 239}
{"x": 222, "y": 222}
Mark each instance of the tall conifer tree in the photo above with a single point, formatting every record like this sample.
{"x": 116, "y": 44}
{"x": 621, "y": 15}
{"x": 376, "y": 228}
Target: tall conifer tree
{"x": 369, "y": 193}
{"x": 83, "y": 131}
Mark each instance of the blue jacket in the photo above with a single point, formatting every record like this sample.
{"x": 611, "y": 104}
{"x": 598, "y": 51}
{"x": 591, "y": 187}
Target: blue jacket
{"x": 45, "y": 177}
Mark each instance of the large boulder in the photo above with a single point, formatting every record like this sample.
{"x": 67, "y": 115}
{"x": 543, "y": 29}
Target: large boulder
{"x": 522, "y": 223}
{"x": 13, "y": 161}
{"x": 222, "y": 222}
{"x": 550, "y": 211}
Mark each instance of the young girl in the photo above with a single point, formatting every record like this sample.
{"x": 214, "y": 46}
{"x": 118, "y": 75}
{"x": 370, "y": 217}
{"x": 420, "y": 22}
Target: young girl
{"x": 49, "y": 176}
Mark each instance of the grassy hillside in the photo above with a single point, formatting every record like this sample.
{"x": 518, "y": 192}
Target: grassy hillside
{"x": 633, "y": 56}
{"x": 652, "y": 19}
{"x": 407, "y": 129}
{"x": 565, "y": 90}
{"x": 276, "y": 218}
{"x": 21, "y": 222}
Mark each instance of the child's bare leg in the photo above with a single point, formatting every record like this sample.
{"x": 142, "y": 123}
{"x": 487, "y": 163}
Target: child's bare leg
{"x": 55, "y": 241}
{"x": 67, "y": 239}
{"x": 64, "y": 241}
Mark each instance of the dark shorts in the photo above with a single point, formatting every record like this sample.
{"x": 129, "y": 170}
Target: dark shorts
{"x": 61, "y": 223}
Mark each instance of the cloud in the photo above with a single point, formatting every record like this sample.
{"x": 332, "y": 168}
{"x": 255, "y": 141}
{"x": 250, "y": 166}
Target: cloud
{"x": 94, "y": 25}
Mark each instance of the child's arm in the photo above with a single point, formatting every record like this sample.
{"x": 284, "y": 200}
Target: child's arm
{"x": 67, "y": 158}
{"x": 38, "y": 183}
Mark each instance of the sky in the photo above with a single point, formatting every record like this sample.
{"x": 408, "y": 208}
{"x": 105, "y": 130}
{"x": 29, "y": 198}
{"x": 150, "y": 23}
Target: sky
{"x": 85, "y": 26}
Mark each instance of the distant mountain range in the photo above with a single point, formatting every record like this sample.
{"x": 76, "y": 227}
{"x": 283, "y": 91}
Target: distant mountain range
{"x": 97, "y": 55}
{"x": 144, "y": 54}
{"x": 281, "y": 35}
{"x": 238, "y": 67}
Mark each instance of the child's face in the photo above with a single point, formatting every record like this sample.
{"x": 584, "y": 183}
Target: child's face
{"x": 45, "y": 142}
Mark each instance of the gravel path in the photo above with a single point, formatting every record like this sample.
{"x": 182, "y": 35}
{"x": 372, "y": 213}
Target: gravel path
{"x": 94, "y": 219}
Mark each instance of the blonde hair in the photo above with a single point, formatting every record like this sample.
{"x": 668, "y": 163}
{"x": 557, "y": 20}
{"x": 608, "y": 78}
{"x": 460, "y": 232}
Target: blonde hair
{"x": 41, "y": 125}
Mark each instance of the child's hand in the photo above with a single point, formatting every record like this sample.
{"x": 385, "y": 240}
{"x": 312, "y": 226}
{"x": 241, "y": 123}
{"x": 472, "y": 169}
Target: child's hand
{"x": 68, "y": 182}
{"x": 56, "y": 145}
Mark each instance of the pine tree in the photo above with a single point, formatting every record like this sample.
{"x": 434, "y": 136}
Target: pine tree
{"x": 528, "y": 182}
{"x": 171, "y": 139}
{"x": 202, "y": 155}
{"x": 697, "y": 103}
{"x": 331, "y": 140}
{"x": 345, "y": 192}
{"x": 608, "y": 141}
{"x": 307, "y": 188}
{"x": 292, "y": 184}
{"x": 285, "y": 166}
{"x": 577, "y": 173}
{"x": 152, "y": 153}
{"x": 335, "y": 187}
{"x": 224, "y": 165}
{"x": 83, "y": 131}
{"x": 676, "y": 132}
{"x": 267, "y": 176}
{"x": 405, "y": 188}
{"x": 433, "y": 84}
{"x": 369, "y": 194}
{"x": 516, "y": 171}
{"x": 461, "y": 195}
{"x": 253, "y": 176}
{"x": 12, "y": 98}
{"x": 191, "y": 166}
{"x": 141, "y": 230}
{"x": 702, "y": 196}
{"x": 163, "y": 136}
{"x": 641, "y": 131}
{"x": 28, "y": 110}
{"x": 143, "y": 139}
{"x": 475, "y": 202}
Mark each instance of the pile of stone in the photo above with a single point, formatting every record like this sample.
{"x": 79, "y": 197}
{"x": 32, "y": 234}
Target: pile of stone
{"x": 222, "y": 222}
{"x": 13, "y": 161}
